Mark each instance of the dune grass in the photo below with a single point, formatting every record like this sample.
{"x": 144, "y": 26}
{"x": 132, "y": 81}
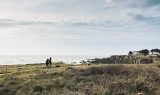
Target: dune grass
{"x": 101, "y": 79}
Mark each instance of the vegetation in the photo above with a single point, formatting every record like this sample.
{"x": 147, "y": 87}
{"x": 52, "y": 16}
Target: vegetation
{"x": 130, "y": 53}
{"x": 80, "y": 79}
{"x": 155, "y": 51}
{"x": 133, "y": 57}
{"x": 144, "y": 52}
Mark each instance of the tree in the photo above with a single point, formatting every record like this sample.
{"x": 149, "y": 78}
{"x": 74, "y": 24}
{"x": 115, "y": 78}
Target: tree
{"x": 155, "y": 51}
{"x": 144, "y": 52}
{"x": 130, "y": 53}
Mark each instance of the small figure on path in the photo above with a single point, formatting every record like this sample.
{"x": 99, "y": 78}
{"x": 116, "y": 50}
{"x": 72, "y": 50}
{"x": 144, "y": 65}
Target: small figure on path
{"x": 50, "y": 61}
{"x": 47, "y": 63}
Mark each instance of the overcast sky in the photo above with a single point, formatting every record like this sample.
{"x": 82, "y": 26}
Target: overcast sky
{"x": 78, "y": 27}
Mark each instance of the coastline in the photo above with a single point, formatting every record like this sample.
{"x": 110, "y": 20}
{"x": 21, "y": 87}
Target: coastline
{"x": 35, "y": 59}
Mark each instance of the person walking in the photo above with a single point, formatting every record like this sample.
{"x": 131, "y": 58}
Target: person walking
{"x": 47, "y": 63}
{"x": 50, "y": 61}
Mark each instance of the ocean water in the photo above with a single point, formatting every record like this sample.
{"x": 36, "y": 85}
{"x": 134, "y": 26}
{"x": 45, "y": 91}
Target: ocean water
{"x": 33, "y": 59}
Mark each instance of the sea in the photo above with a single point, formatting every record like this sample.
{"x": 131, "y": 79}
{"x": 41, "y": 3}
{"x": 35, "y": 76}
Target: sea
{"x": 35, "y": 59}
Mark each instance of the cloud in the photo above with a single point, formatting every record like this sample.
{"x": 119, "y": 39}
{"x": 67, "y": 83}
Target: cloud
{"x": 151, "y": 3}
{"x": 6, "y": 23}
{"x": 143, "y": 18}
{"x": 148, "y": 20}
{"x": 76, "y": 24}
{"x": 135, "y": 3}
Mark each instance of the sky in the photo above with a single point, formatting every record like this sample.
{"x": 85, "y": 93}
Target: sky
{"x": 78, "y": 27}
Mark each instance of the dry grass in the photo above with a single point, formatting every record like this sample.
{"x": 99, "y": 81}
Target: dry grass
{"x": 98, "y": 79}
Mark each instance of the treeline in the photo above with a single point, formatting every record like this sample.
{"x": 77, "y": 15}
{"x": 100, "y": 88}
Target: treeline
{"x": 145, "y": 52}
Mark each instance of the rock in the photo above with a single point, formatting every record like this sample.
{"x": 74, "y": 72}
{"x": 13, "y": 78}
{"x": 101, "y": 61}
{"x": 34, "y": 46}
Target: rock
{"x": 125, "y": 59}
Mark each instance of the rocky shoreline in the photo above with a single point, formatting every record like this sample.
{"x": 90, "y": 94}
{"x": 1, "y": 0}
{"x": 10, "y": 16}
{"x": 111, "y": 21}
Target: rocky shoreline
{"x": 127, "y": 59}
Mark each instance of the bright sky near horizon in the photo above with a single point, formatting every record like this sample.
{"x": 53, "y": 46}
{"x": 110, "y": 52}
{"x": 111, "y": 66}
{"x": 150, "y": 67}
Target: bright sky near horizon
{"x": 78, "y": 27}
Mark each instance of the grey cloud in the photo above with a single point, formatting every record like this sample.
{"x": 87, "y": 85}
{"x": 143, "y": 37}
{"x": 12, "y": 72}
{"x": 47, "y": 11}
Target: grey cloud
{"x": 135, "y": 3}
{"x": 152, "y": 2}
{"x": 96, "y": 23}
{"x": 145, "y": 3}
{"x": 151, "y": 20}
{"x": 12, "y": 23}
{"x": 5, "y": 23}
{"x": 142, "y": 18}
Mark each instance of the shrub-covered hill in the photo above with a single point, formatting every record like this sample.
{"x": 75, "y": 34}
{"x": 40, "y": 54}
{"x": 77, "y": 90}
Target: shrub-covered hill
{"x": 83, "y": 80}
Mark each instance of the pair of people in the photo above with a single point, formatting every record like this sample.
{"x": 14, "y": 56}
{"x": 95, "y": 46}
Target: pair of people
{"x": 49, "y": 63}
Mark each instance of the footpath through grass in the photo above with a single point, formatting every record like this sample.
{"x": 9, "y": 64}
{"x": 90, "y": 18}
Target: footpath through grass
{"x": 80, "y": 80}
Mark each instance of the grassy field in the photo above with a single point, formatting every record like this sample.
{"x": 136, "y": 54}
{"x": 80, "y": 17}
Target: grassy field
{"x": 101, "y": 79}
